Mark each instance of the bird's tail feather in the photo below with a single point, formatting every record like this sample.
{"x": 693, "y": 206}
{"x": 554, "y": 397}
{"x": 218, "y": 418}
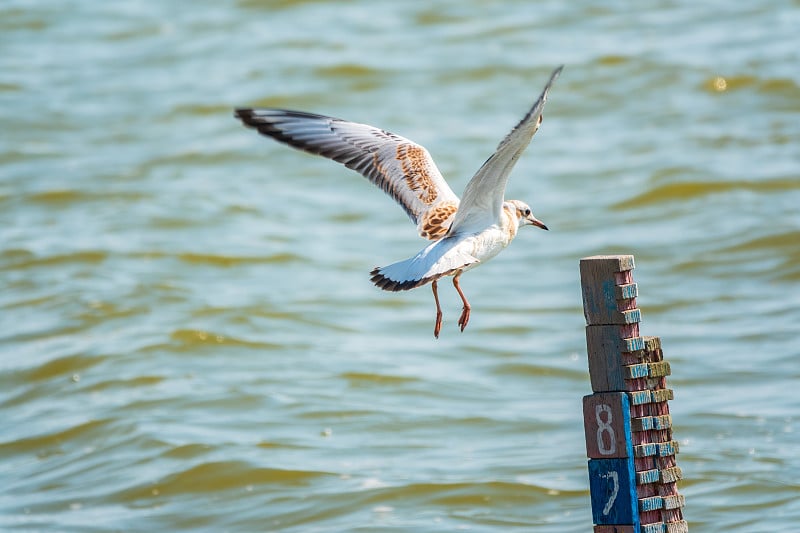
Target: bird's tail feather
{"x": 441, "y": 258}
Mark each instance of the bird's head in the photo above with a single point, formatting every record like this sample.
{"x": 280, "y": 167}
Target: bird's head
{"x": 524, "y": 215}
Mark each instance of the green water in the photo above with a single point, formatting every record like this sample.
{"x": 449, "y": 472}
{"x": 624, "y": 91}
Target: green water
{"x": 188, "y": 337}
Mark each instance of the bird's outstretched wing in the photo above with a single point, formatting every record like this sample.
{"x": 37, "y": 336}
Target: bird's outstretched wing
{"x": 482, "y": 201}
{"x": 402, "y": 168}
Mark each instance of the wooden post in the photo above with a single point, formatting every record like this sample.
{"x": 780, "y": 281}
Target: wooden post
{"x": 632, "y": 469}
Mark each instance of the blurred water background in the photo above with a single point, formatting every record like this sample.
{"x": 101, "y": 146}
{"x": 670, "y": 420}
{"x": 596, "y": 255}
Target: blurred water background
{"x": 189, "y": 340}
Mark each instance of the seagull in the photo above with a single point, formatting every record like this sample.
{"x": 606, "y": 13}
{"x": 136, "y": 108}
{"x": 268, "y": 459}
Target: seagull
{"x": 465, "y": 232}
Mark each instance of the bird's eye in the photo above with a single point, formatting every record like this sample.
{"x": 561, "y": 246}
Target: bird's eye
{"x": 527, "y": 212}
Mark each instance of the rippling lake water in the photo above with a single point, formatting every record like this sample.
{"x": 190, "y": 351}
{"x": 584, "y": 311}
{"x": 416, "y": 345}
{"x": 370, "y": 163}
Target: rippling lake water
{"x": 189, "y": 340}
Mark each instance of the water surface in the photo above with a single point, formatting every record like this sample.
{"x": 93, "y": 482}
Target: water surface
{"x": 188, "y": 337}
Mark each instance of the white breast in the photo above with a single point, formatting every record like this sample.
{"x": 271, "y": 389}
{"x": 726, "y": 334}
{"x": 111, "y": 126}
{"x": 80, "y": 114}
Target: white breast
{"x": 487, "y": 244}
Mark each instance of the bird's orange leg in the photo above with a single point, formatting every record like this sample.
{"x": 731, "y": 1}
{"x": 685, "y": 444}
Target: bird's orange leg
{"x": 438, "y": 325}
{"x": 464, "y": 320}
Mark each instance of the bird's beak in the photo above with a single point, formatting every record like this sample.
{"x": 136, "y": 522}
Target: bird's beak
{"x": 536, "y": 222}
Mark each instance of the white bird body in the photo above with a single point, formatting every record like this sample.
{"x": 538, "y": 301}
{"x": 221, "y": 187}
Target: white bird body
{"x": 465, "y": 232}
{"x": 452, "y": 253}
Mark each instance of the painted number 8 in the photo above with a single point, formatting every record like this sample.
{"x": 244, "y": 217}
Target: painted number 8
{"x": 605, "y": 427}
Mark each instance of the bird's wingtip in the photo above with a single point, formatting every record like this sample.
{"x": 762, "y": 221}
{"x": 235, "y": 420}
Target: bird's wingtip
{"x": 554, "y": 76}
{"x": 242, "y": 113}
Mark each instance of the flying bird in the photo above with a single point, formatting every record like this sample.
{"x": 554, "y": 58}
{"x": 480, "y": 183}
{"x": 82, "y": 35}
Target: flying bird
{"x": 464, "y": 232}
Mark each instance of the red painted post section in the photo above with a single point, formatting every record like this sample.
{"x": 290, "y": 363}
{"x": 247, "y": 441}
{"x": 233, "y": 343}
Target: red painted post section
{"x": 627, "y": 419}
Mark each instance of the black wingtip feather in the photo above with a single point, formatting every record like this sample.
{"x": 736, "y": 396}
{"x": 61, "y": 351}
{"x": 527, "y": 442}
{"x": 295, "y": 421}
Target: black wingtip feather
{"x": 243, "y": 114}
{"x": 268, "y": 125}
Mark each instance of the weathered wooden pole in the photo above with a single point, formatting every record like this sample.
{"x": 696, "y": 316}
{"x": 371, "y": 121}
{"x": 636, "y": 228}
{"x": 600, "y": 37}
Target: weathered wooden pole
{"x": 632, "y": 469}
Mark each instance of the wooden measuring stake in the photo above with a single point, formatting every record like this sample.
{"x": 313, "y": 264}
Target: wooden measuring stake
{"x": 628, "y": 428}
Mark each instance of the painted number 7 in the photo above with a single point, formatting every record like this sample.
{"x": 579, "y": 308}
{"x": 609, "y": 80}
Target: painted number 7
{"x": 614, "y": 477}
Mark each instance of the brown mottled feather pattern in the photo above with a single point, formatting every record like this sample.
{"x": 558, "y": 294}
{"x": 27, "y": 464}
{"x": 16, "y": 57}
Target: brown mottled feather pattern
{"x": 436, "y": 222}
{"x": 414, "y": 164}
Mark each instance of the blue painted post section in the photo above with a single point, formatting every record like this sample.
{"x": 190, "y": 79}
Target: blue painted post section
{"x": 612, "y": 483}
